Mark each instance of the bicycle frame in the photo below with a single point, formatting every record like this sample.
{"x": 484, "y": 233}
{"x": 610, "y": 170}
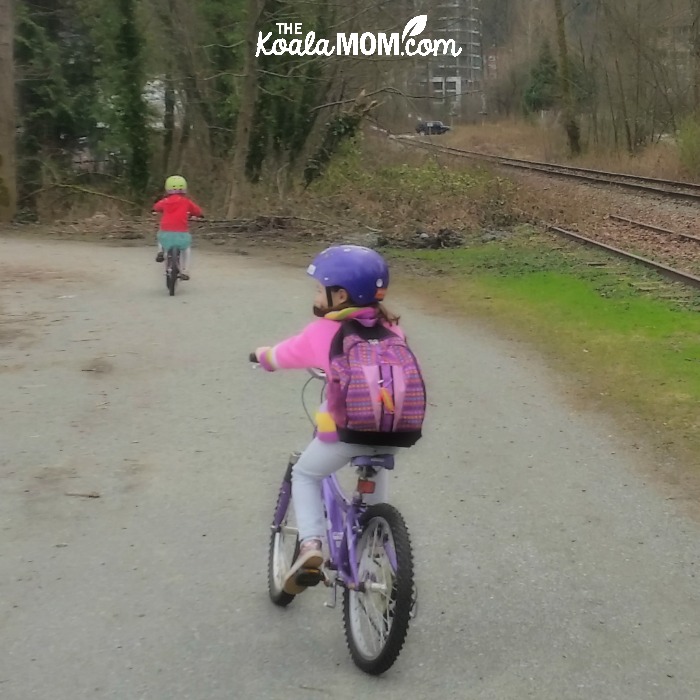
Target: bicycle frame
{"x": 172, "y": 258}
{"x": 342, "y": 518}
{"x": 342, "y": 515}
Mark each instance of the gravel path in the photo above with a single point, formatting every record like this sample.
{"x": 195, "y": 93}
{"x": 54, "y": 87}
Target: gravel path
{"x": 548, "y": 567}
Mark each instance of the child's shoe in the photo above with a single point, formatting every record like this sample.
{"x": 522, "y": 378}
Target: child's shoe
{"x": 299, "y": 576}
{"x": 160, "y": 257}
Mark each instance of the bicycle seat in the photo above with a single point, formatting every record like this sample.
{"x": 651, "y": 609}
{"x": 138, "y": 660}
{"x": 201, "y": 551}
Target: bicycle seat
{"x": 377, "y": 461}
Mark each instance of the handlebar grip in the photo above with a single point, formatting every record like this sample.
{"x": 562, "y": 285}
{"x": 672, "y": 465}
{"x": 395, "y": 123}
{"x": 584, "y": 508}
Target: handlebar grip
{"x": 253, "y": 358}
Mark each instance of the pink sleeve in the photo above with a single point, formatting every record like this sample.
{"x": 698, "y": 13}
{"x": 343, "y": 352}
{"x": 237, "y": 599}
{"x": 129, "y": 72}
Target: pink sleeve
{"x": 158, "y": 206}
{"x": 307, "y": 349}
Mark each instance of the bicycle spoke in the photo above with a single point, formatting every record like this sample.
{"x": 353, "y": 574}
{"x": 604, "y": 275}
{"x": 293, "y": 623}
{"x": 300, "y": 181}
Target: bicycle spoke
{"x": 376, "y": 607}
{"x": 377, "y": 621}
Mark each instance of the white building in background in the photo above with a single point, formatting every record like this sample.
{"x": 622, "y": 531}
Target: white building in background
{"x": 456, "y": 81}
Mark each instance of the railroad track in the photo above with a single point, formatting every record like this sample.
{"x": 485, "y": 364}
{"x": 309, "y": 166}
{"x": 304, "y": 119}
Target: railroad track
{"x": 675, "y": 189}
{"x": 655, "y": 229}
{"x": 665, "y": 270}
{"x": 667, "y": 188}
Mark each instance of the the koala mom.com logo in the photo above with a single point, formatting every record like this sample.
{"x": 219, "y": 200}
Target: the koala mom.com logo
{"x": 293, "y": 41}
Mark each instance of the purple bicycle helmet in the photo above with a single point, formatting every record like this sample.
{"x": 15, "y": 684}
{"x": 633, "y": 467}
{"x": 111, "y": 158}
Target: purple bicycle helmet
{"x": 360, "y": 271}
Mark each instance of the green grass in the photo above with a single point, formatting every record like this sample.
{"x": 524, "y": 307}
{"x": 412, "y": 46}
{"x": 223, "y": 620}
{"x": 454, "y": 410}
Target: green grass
{"x": 632, "y": 336}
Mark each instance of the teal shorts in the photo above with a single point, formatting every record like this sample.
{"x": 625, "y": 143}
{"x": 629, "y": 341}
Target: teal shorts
{"x": 168, "y": 239}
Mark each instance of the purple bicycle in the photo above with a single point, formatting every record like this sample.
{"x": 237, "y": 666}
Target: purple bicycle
{"x": 369, "y": 557}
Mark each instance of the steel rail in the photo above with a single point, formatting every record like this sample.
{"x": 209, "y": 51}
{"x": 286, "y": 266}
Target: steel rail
{"x": 629, "y": 181}
{"x": 670, "y": 272}
{"x": 652, "y": 227}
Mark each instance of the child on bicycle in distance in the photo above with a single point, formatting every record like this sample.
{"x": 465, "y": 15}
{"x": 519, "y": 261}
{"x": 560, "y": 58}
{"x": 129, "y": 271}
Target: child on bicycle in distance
{"x": 350, "y": 282}
{"x": 175, "y": 209}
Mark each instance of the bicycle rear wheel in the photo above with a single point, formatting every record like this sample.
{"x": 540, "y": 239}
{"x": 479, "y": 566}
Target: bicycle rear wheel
{"x": 284, "y": 547}
{"x": 376, "y": 619}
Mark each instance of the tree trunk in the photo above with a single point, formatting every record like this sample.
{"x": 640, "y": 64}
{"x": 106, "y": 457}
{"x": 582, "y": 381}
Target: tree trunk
{"x": 695, "y": 9}
{"x": 623, "y": 105}
{"x": 129, "y": 45}
{"x": 573, "y": 132}
{"x": 246, "y": 113}
{"x": 168, "y": 123}
{"x": 8, "y": 180}
{"x": 638, "y": 132}
{"x": 613, "y": 117}
{"x": 185, "y": 133}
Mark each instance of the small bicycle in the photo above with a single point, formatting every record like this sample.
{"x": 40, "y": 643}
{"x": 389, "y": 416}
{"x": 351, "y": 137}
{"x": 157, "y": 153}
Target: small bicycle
{"x": 174, "y": 243}
{"x": 369, "y": 557}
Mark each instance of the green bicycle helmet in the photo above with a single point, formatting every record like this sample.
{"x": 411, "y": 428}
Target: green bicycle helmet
{"x": 176, "y": 184}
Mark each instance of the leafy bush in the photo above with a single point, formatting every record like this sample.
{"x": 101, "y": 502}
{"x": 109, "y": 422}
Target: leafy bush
{"x": 403, "y": 192}
{"x": 541, "y": 93}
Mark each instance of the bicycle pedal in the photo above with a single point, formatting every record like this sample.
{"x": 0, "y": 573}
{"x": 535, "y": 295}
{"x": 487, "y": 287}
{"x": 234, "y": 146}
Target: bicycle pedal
{"x": 309, "y": 577}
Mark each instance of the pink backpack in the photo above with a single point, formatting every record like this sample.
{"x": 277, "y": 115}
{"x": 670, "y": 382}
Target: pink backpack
{"x": 375, "y": 391}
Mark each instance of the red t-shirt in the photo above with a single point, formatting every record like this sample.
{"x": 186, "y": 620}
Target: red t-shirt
{"x": 176, "y": 209}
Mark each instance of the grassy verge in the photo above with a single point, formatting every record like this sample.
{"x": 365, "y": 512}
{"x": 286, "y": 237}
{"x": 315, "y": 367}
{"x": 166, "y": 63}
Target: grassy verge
{"x": 629, "y": 337}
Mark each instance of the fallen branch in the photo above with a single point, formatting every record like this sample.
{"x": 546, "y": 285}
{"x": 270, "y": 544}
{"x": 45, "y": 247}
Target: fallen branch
{"x": 85, "y": 190}
{"x": 96, "y": 193}
{"x": 387, "y": 89}
{"x": 267, "y": 216}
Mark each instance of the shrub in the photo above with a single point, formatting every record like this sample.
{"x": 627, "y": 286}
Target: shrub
{"x": 689, "y": 145}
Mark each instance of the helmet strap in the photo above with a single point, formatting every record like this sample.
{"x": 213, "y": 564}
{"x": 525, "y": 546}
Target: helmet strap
{"x": 321, "y": 312}
{"x": 330, "y": 307}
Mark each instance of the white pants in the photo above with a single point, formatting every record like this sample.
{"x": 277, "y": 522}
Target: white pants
{"x": 185, "y": 257}
{"x": 317, "y": 461}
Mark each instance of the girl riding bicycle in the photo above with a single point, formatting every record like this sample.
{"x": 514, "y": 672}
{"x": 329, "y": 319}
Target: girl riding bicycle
{"x": 176, "y": 210}
{"x": 351, "y": 282}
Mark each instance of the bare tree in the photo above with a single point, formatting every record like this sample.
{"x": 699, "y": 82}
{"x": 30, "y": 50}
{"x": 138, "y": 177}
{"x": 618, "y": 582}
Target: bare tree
{"x": 244, "y": 121}
{"x": 573, "y": 131}
{"x": 8, "y": 187}
{"x": 695, "y": 42}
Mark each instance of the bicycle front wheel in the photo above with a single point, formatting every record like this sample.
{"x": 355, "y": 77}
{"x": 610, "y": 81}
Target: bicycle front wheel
{"x": 172, "y": 281}
{"x": 284, "y": 547}
{"x": 377, "y": 618}
{"x": 172, "y": 271}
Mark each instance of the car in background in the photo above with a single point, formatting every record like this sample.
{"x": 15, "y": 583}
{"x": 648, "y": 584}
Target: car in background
{"x": 431, "y": 128}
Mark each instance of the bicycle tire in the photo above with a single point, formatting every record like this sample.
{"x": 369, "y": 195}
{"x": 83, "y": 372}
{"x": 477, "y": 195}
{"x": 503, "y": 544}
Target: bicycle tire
{"x": 173, "y": 271}
{"x": 398, "y": 602}
{"x": 279, "y": 561}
